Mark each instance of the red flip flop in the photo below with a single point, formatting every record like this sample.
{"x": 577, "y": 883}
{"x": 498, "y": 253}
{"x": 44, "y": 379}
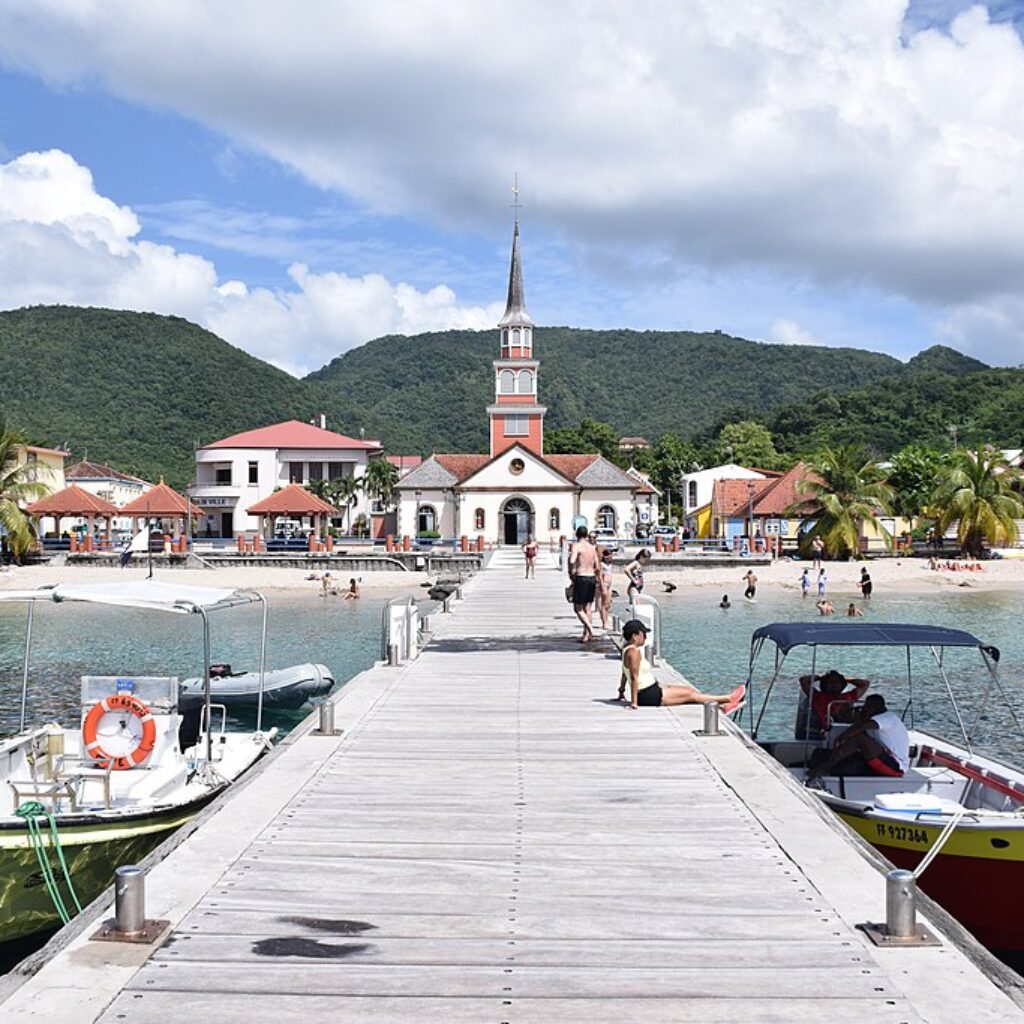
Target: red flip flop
{"x": 735, "y": 699}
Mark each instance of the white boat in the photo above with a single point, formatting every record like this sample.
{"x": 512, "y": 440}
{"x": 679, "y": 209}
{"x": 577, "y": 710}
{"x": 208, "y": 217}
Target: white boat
{"x": 283, "y": 688}
{"x": 78, "y": 800}
{"x": 955, "y": 816}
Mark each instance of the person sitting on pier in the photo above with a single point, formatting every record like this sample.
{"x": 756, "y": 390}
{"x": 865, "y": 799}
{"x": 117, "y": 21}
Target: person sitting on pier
{"x": 831, "y": 700}
{"x": 646, "y": 691}
{"x": 877, "y": 744}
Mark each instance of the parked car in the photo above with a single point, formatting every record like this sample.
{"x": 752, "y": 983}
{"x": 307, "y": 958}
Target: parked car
{"x": 665, "y": 532}
{"x": 605, "y": 538}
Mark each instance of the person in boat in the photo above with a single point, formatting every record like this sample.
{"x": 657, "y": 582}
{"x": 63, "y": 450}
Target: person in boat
{"x": 352, "y": 594}
{"x": 876, "y": 744}
{"x": 646, "y": 691}
{"x": 831, "y": 698}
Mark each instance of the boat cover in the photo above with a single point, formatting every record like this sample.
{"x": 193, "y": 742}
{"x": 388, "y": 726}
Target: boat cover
{"x": 787, "y": 635}
{"x": 168, "y": 597}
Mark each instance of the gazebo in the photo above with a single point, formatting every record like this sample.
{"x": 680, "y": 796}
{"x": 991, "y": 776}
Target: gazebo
{"x": 292, "y": 501}
{"x": 76, "y": 502}
{"x": 161, "y": 502}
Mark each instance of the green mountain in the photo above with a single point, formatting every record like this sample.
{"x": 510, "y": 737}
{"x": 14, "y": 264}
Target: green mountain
{"x": 140, "y": 390}
{"x": 429, "y": 391}
{"x": 134, "y": 389}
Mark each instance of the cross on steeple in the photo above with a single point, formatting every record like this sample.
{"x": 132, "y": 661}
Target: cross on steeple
{"x": 515, "y": 204}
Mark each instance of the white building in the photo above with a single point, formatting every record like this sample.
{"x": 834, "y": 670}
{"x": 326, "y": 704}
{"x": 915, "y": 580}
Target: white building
{"x": 238, "y": 471}
{"x": 515, "y": 490}
{"x": 109, "y": 484}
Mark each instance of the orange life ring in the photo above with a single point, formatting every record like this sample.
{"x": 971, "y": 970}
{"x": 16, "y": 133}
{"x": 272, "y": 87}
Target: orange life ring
{"x": 119, "y": 702}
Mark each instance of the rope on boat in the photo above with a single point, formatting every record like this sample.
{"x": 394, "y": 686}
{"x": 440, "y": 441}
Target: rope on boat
{"x": 940, "y": 842}
{"x": 32, "y": 811}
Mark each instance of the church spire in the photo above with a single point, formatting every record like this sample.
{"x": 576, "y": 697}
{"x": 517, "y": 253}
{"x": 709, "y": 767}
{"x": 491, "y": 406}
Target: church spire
{"x": 515, "y": 307}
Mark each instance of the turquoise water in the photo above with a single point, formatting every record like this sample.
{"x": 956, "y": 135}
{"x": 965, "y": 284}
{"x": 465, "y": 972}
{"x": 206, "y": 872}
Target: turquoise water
{"x": 711, "y": 647}
{"x": 70, "y": 641}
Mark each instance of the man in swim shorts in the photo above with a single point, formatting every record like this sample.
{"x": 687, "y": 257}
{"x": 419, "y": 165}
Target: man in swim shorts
{"x": 583, "y": 568}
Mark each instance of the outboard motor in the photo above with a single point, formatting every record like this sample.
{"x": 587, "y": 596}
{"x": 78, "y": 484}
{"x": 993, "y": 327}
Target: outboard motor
{"x": 221, "y": 671}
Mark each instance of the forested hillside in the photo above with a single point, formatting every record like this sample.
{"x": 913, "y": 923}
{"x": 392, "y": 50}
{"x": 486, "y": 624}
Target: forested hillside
{"x": 139, "y": 390}
{"x": 134, "y": 389}
{"x": 430, "y": 390}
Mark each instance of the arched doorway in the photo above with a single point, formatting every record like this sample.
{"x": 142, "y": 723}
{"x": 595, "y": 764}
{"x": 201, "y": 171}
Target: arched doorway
{"x": 517, "y": 520}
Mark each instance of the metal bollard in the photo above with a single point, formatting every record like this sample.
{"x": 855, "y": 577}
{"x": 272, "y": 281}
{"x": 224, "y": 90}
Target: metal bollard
{"x": 129, "y": 900}
{"x": 326, "y": 726}
{"x": 711, "y": 719}
{"x": 446, "y": 604}
{"x": 901, "y": 904}
{"x": 393, "y": 655}
{"x": 424, "y": 623}
{"x": 617, "y": 623}
{"x": 458, "y": 593}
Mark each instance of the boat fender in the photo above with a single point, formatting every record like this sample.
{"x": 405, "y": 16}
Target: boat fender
{"x": 133, "y": 706}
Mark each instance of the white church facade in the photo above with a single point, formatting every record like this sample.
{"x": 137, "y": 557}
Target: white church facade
{"x": 516, "y": 490}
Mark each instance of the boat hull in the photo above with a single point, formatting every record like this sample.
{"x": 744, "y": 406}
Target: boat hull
{"x": 283, "y": 689}
{"x": 978, "y": 876}
{"x": 91, "y": 851}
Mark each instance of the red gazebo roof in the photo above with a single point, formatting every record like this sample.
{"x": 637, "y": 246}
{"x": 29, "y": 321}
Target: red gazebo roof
{"x": 72, "y": 501}
{"x": 160, "y": 501}
{"x": 292, "y": 500}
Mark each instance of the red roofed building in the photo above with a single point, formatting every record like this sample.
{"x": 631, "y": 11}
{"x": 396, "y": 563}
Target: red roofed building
{"x": 515, "y": 490}
{"x": 237, "y": 472}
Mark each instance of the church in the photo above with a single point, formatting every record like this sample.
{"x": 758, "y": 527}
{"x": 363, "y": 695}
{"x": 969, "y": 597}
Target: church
{"x": 516, "y": 490}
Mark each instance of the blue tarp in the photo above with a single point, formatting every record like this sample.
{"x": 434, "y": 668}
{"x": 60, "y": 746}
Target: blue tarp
{"x": 788, "y": 635}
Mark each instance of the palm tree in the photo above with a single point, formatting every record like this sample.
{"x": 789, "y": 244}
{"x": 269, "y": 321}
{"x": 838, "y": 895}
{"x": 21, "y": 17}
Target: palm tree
{"x": 976, "y": 488}
{"x": 379, "y": 480}
{"x": 844, "y": 489}
{"x": 17, "y": 488}
{"x": 344, "y": 494}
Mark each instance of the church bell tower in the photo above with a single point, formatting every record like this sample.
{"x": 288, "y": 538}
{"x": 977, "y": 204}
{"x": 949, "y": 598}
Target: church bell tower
{"x": 516, "y": 417}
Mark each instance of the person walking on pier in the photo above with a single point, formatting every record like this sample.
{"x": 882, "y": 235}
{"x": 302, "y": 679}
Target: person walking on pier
{"x": 645, "y": 691}
{"x": 530, "y": 551}
{"x": 583, "y": 568}
{"x": 604, "y": 587}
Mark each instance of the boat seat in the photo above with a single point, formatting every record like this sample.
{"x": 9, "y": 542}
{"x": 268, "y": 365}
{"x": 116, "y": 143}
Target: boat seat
{"x": 43, "y": 791}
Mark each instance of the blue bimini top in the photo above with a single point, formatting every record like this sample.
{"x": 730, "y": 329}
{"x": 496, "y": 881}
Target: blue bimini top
{"x": 787, "y": 635}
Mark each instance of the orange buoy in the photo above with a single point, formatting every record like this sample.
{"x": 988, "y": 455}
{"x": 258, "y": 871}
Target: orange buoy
{"x": 119, "y": 702}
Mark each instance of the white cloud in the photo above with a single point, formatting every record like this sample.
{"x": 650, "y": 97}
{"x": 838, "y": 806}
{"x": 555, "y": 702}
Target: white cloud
{"x": 789, "y": 332}
{"x": 62, "y": 242}
{"x": 803, "y": 137}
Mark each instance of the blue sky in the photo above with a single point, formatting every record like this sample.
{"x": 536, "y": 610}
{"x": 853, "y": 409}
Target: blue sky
{"x": 300, "y": 190}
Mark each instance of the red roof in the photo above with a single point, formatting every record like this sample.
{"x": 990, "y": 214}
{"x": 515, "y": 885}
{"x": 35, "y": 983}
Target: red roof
{"x": 292, "y": 500}
{"x": 86, "y": 470}
{"x": 161, "y": 501}
{"x": 404, "y": 461}
{"x": 771, "y": 497}
{"x": 292, "y": 434}
{"x": 72, "y": 501}
{"x": 570, "y": 465}
{"x": 462, "y": 466}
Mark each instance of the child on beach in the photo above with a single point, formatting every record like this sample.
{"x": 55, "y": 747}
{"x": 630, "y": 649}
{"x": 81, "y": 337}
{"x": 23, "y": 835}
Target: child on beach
{"x": 822, "y": 582}
{"x": 805, "y": 583}
{"x": 853, "y": 612}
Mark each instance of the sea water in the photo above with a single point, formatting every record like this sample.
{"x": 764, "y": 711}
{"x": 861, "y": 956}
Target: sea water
{"x": 711, "y": 647}
{"x": 71, "y": 640}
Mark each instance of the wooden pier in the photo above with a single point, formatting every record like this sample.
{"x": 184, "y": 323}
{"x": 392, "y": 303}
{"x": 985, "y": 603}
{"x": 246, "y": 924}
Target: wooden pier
{"x": 491, "y": 839}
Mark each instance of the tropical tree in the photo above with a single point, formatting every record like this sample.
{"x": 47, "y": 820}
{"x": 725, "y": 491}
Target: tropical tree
{"x": 843, "y": 489}
{"x": 748, "y": 444}
{"x": 17, "y": 488}
{"x": 321, "y": 488}
{"x": 914, "y": 474}
{"x": 379, "y": 481}
{"x": 343, "y": 493}
{"x": 976, "y": 491}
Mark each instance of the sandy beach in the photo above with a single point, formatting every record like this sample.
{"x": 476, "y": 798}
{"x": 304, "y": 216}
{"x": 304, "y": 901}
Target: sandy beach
{"x": 267, "y": 579}
{"x": 889, "y": 575}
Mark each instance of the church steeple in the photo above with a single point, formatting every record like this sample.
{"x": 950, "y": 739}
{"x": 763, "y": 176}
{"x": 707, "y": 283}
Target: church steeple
{"x": 516, "y": 417}
{"x": 515, "y": 307}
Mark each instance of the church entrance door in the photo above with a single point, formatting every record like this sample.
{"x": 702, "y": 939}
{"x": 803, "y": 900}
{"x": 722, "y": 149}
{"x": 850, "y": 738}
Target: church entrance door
{"x": 518, "y": 521}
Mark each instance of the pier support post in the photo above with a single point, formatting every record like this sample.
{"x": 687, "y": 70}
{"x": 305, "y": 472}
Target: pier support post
{"x": 325, "y": 726}
{"x": 129, "y": 923}
{"x": 901, "y": 904}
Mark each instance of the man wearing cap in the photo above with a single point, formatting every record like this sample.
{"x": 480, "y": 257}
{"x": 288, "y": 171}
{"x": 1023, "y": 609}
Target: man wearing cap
{"x": 646, "y": 691}
{"x": 831, "y": 699}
